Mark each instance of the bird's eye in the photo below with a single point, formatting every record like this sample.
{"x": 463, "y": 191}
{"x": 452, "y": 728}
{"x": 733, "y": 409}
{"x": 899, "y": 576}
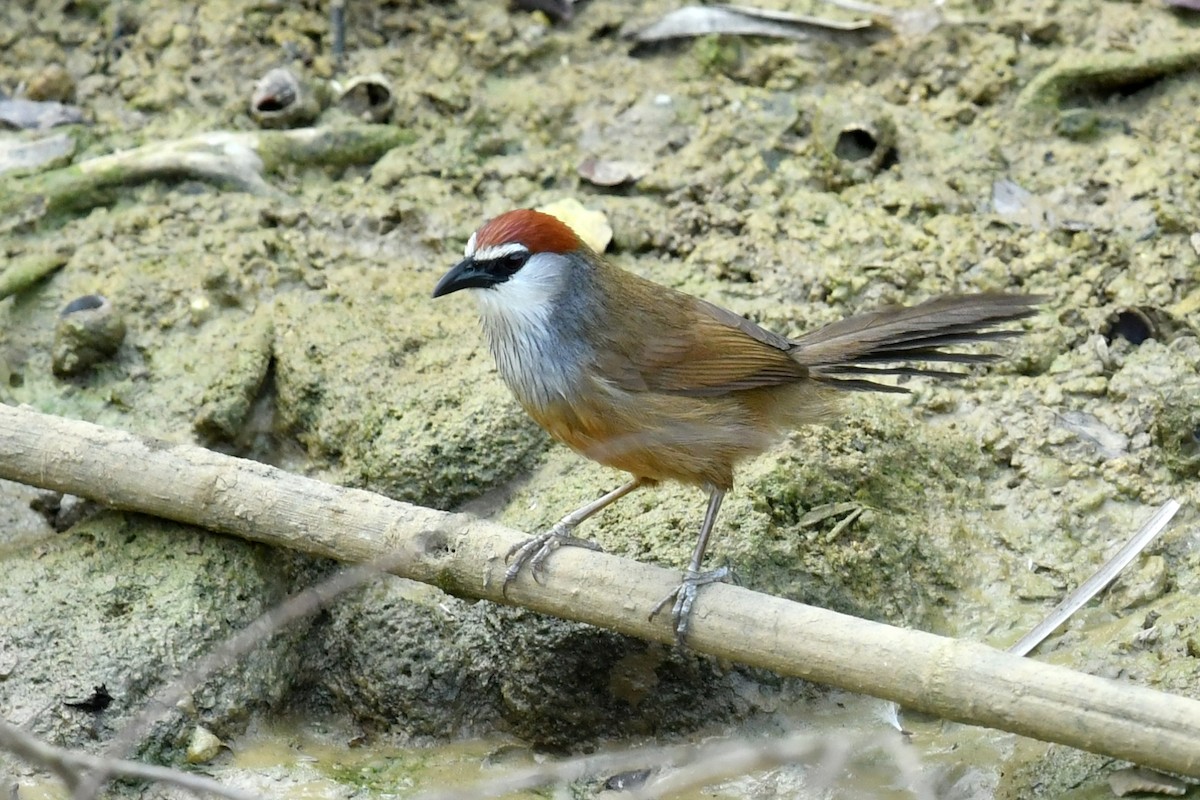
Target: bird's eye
{"x": 509, "y": 264}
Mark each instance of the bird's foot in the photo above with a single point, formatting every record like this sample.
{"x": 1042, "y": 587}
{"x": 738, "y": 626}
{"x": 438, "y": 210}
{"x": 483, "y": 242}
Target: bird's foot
{"x": 684, "y": 595}
{"x": 534, "y": 551}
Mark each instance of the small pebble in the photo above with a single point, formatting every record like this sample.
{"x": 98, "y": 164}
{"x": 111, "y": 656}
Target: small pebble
{"x": 203, "y": 747}
{"x": 52, "y": 83}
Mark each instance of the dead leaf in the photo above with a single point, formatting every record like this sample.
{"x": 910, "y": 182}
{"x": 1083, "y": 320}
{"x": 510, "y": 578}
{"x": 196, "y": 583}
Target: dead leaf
{"x": 743, "y": 21}
{"x": 604, "y": 172}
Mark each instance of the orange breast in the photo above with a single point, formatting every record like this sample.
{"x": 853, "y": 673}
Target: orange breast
{"x": 693, "y": 440}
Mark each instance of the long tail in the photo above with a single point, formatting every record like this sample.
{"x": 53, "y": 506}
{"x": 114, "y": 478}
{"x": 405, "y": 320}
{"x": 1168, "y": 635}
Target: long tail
{"x": 881, "y": 342}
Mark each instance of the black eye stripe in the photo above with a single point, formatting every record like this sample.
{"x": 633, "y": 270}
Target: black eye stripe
{"x": 505, "y": 266}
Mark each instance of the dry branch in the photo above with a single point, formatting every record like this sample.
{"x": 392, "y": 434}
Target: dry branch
{"x": 694, "y": 766}
{"x": 71, "y": 765}
{"x": 957, "y": 680}
{"x": 230, "y": 159}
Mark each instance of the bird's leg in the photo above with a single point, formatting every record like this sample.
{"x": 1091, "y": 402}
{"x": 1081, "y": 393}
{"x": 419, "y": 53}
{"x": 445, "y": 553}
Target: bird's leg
{"x": 685, "y": 594}
{"x": 533, "y": 551}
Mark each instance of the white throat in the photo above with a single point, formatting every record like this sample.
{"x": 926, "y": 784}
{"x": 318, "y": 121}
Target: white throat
{"x": 518, "y": 318}
{"x": 525, "y": 301}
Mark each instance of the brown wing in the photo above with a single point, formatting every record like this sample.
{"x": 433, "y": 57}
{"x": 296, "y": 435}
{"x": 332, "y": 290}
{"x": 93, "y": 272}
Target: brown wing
{"x": 716, "y": 353}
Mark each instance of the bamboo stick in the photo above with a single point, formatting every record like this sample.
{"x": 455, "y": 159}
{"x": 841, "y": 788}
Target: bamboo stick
{"x": 957, "y": 680}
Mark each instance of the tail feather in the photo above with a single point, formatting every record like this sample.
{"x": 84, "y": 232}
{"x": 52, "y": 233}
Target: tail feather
{"x": 943, "y": 339}
{"x": 919, "y": 354}
{"x": 913, "y": 334}
{"x": 860, "y": 385}
{"x": 915, "y": 372}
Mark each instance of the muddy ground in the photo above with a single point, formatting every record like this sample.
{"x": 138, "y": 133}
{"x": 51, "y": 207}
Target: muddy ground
{"x": 1033, "y": 146}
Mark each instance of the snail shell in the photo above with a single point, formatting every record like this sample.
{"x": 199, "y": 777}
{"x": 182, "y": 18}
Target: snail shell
{"x": 89, "y": 331}
{"x": 282, "y": 100}
{"x": 368, "y": 97}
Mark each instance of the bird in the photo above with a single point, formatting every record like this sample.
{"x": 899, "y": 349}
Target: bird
{"x": 667, "y": 386}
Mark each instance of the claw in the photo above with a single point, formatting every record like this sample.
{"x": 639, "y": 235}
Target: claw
{"x": 684, "y": 595}
{"x": 534, "y": 551}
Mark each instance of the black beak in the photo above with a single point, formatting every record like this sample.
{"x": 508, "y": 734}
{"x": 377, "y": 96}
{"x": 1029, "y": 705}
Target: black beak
{"x": 466, "y": 274}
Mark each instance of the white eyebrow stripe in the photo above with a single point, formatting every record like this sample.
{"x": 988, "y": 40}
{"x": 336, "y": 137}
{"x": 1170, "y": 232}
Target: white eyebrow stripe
{"x": 499, "y": 251}
{"x": 470, "y": 247}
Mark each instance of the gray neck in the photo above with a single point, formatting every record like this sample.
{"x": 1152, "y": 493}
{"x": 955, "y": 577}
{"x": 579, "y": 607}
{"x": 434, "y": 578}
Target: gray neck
{"x": 536, "y": 332}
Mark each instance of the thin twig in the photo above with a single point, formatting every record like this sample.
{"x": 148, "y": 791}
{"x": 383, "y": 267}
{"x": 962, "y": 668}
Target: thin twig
{"x": 298, "y": 606}
{"x": 69, "y": 765}
{"x": 700, "y": 765}
{"x": 712, "y": 764}
{"x": 1101, "y": 578}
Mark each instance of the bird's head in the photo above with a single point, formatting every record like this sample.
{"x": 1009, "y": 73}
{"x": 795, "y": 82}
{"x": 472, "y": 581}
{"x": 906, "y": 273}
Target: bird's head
{"x": 518, "y": 263}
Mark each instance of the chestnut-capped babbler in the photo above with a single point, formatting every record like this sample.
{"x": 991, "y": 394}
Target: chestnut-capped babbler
{"x": 669, "y": 387}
